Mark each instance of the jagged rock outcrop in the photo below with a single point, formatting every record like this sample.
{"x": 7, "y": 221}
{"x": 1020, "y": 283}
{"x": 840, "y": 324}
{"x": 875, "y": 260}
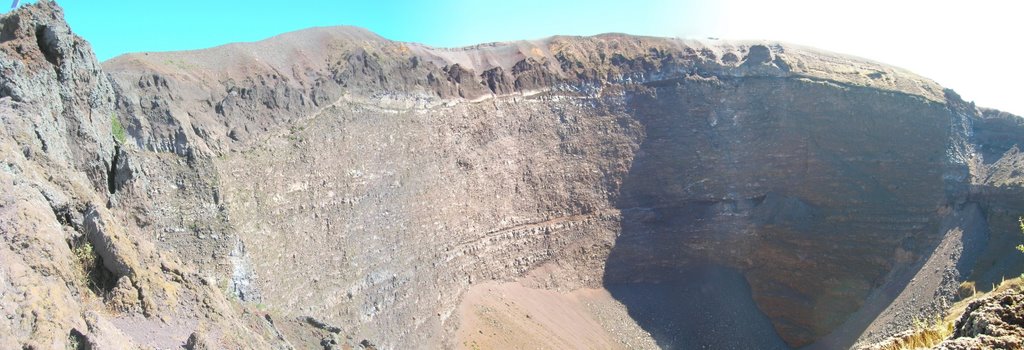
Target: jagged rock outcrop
{"x": 358, "y": 187}
{"x": 994, "y": 322}
{"x": 77, "y": 270}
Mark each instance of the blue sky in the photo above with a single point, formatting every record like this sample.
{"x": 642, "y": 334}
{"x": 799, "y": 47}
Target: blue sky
{"x": 115, "y": 27}
{"x": 971, "y": 47}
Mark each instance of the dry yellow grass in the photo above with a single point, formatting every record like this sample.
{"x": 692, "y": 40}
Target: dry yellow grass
{"x": 960, "y": 306}
{"x": 967, "y": 290}
{"x": 924, "y": 338}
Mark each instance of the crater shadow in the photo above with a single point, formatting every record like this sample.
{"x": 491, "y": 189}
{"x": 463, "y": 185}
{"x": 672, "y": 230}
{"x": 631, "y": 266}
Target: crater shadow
{"x": 683, "y": 298}
{"x": 703, "y": 307}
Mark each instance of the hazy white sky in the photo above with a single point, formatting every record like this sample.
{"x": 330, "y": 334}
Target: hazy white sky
{"x": 974, "y": 47}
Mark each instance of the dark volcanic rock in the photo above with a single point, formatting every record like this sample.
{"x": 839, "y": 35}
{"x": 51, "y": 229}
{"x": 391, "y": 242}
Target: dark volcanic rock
{"x": 758, "y": 54}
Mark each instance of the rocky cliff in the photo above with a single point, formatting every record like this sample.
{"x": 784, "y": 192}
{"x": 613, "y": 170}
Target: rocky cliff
{"x": 331, "y": 182}
{"x": 79, "y": 269}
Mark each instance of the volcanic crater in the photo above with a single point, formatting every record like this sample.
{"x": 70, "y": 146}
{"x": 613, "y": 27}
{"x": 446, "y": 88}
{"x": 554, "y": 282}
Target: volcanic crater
{"x": 329, "y": 187}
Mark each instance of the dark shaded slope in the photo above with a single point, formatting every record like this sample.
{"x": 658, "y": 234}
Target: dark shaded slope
{"x": 753, "y": 173}
{"x": 701, "y": 308}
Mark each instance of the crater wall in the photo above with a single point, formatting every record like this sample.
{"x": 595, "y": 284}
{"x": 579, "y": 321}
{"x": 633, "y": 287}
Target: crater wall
{"x": 333, "y": 182}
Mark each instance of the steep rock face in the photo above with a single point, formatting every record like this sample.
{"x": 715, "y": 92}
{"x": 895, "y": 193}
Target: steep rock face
{"x": 372, "y": 182}
{"x": 754, "y": 174}
{"x": 339, "y": 178}
{"x": 76, "y": 270}
{"x": 51, "y": 75}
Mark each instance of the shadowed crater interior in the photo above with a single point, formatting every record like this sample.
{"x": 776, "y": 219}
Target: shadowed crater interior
{"x": 705, "y": 307}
